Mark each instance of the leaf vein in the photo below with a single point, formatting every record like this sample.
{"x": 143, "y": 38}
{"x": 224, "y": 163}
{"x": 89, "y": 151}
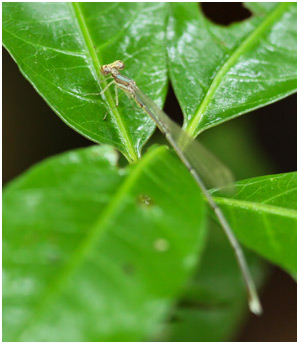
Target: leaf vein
{"x": 258, "y": 207}
{"x": 121, "y": 127}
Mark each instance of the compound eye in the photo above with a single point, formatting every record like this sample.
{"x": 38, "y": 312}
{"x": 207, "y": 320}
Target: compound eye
{"x": 120, "y": 64}
{"x": 105, "y": 70}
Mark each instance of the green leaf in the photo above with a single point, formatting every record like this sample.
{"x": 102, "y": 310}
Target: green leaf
{"x": 94, "y": 252}
{"x": 214, "y": 302}
{"x": 60, "y": 47}
{"x": 263, "y": 215}
{"x": 219, "y": 72}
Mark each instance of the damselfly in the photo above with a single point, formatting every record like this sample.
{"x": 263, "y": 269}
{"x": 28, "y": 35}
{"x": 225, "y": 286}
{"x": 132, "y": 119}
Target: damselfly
{"x": 194, "y": 157}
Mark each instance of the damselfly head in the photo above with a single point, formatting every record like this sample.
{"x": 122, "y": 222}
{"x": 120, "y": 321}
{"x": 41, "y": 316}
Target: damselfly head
{"x": 106, "y": 69}
{"x": 112, "y": 67}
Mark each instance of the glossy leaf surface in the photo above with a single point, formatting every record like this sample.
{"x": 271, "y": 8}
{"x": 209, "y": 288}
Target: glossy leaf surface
{"x": 263, "y": 214}
{"x": 93, "y": 252}
{"x": 231, "y": 70}
{"x": 60, "y": 47}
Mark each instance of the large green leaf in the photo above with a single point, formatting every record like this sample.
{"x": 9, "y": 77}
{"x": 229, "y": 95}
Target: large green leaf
{"x": 263, "y": 215}
{"x": 93, "y": 252}
{"x": 60, "y": 47}
{"x": 221, "y": 72}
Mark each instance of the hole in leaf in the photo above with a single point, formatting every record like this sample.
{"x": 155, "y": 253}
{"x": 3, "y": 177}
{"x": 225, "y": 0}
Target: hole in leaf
{"x": 172, "y": 107}
{"x": 225, "y": 13}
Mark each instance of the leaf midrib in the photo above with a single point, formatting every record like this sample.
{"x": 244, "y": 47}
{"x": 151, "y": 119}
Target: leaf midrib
{"x": 121, "y": 127}
{"x": 256, "y": 207}
{"x": 91, "y": 239}
{"x": 191, "y": 128}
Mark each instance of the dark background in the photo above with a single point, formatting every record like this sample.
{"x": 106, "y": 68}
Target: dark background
{"x": 32, "y": 132}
